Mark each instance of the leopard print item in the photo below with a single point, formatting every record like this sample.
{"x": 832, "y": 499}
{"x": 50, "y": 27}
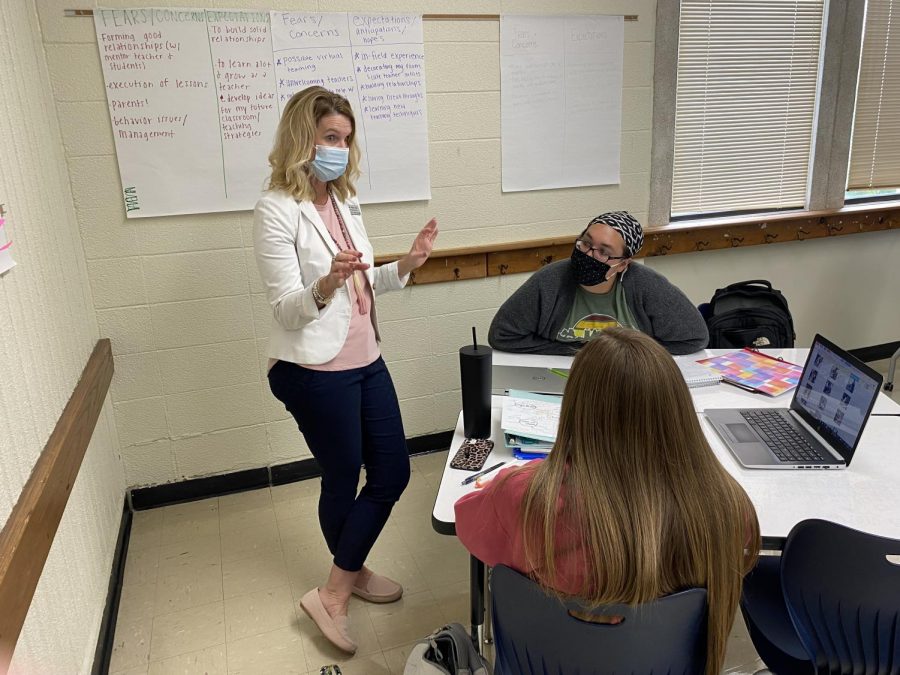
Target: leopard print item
{"x": 472, "y": 454}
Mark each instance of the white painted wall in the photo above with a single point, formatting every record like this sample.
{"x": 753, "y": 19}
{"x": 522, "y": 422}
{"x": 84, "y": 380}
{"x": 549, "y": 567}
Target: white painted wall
{"x": 48, "y": 329}
{"x": 181, "y": 300}
{"x": 847, "y": 288}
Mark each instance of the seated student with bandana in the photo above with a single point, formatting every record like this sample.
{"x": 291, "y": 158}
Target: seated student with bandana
{"x": 566, "y": 304}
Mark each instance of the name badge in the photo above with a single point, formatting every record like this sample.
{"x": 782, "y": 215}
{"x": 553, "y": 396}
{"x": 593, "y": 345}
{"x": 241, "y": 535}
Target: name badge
{"x": 354, "y": 209}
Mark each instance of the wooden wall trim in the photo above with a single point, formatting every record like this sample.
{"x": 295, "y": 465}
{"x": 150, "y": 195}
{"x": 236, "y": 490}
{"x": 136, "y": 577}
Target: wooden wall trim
{"x": 490, "y": 260}
{"x": 28, "y": 534}
{"x": 425, "y": 17}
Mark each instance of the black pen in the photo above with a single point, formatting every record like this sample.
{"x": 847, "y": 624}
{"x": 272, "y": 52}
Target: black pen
{"x": 481, "y": 473}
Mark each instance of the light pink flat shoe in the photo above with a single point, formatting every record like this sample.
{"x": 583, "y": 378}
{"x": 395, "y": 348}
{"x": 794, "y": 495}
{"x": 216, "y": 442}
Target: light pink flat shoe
{"x": 379, "y": 589}
{"x": 337, "y": 630}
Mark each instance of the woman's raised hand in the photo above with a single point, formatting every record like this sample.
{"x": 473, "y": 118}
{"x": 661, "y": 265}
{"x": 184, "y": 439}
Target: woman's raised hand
{"x": 424, "y": 243}
{"x": 421, "y": 248}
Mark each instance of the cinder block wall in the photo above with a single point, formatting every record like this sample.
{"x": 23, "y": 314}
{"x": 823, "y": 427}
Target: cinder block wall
{"x": 48, "y": 329}
{"x": 180, "y": 297}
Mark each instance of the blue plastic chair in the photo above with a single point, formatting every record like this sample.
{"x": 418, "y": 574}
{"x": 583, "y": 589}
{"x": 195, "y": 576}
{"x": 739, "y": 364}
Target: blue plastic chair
{"x": 830, "y": 605}
{"x": 535, "y": 634}
{"x": 768, "y": 622}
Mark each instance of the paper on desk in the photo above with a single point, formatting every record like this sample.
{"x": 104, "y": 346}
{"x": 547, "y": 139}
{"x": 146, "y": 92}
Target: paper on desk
{"x": 531, "y": 415}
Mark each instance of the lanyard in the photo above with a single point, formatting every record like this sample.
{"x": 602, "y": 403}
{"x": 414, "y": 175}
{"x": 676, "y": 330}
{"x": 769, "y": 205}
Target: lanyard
{"x": 357, "y": 286}
{"x": 343, "y": 225}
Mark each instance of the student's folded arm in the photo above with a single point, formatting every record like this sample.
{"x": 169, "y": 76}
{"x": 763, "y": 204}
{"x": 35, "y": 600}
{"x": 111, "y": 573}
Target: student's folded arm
{"x": 502, "y": 339}
{"x": 292, "y": 303}
{"x": 514, "y": 327}
{"x": 676, "y": 323}
{"x": 479, "y": 529}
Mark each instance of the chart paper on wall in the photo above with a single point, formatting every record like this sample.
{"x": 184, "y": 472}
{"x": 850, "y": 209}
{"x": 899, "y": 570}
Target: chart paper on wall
{"x": 378, "y": 63}
{"x": 194, "y": 100}
{"x": 560, "y": 100}
{"x": 192, "y": 104}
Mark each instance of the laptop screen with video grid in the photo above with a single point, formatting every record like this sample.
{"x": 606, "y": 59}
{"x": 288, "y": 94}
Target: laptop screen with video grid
{"x": 835, "y": 396}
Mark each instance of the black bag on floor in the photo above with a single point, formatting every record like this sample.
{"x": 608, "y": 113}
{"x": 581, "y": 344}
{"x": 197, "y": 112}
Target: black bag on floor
{"x": 749, "y": 314}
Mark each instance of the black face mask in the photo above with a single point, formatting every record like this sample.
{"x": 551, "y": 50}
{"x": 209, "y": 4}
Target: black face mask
{"x": 588, "y": 271}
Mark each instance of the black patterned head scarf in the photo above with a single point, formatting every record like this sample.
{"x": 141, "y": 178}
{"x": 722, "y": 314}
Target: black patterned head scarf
{"x": 625, "y": 224}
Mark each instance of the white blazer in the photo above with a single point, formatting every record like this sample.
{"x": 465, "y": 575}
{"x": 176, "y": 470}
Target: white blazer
{"x": 293, "y": 248}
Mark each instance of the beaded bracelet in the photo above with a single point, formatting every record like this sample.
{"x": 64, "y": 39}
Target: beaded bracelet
{"x": 317, "y": 294}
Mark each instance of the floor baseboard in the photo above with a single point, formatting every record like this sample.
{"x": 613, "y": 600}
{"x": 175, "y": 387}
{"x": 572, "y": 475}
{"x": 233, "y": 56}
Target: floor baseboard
{"x": 252, "y": 479}
{"x": 106, "y": 638}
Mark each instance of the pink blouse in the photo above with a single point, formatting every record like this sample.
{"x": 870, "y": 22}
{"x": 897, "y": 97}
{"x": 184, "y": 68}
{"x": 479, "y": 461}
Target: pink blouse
{"x": 360, "y": 348}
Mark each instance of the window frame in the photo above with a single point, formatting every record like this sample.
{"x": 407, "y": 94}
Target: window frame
{"x": 842, "y": 33}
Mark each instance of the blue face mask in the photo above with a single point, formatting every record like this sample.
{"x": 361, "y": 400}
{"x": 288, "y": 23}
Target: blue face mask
{"x": 330, "y": 163}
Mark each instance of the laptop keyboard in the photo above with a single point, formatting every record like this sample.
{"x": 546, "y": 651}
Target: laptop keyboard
{"x": 785, "y": 441}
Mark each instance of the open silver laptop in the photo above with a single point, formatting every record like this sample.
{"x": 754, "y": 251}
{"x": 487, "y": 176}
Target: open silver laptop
{"x": 526, "y": 378}
{"x": 821, "y": 428}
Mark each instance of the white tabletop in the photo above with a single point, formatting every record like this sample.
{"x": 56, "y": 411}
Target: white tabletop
{"x": 442, "y": 517}
{"x": 863, "y": 496}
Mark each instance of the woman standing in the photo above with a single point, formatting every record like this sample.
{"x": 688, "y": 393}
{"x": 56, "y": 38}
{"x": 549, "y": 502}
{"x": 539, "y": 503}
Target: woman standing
{"x": 631, "y": 504}
{"x": 316, "y": 263}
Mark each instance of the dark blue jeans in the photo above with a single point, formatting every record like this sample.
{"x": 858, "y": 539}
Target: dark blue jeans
{"x": 349, "y": 418}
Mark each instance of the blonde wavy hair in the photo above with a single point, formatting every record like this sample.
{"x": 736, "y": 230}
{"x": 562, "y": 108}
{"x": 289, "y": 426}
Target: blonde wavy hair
{"x": 295, "y": 141}
{"x": 654, "y": 509}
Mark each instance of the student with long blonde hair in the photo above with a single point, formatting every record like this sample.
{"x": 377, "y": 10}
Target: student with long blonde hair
{"x": 631, "y": 504}
{"x": 325, "y": 364}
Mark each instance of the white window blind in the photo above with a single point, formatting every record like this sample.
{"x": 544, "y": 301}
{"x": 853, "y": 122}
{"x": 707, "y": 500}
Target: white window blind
{"x": 875, "y": 152}
{"x": 745, "y": 102}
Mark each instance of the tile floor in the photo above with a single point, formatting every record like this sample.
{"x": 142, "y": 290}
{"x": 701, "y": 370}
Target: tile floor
{"x": 213, "y": 586}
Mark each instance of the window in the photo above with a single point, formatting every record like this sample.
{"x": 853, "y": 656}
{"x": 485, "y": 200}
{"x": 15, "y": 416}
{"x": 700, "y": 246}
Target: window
{"x": 875, "y": 150}
{"x": 745, "y": 104}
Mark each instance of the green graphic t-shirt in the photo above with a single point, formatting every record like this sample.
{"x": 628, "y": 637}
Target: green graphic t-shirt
{"x": 592, "y": 313}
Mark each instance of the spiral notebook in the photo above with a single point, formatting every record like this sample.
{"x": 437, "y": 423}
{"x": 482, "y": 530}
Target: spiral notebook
{"x": 696, "y": 374}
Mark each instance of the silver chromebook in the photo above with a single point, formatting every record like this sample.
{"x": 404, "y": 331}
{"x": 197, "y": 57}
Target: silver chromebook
{"x": 821, "y": 428}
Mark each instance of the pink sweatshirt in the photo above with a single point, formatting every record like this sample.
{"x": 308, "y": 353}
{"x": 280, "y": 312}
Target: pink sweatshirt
{"x": 489, "y": 525}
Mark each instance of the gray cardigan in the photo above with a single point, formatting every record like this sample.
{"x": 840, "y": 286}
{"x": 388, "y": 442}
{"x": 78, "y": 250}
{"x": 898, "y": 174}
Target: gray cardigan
{"x": 530, "y": 319}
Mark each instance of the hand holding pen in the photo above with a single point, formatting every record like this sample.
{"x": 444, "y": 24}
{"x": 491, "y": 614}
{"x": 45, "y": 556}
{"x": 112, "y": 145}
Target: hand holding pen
{"x": 478, "y": 475}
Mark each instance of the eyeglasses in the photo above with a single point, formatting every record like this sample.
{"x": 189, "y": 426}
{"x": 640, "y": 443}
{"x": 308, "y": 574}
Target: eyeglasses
{"x": 587, "y": 247}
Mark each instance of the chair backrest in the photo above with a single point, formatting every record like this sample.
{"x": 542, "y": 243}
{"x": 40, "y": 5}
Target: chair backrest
{"x": 842, "y": 590}
{"x": 535, "y": 634}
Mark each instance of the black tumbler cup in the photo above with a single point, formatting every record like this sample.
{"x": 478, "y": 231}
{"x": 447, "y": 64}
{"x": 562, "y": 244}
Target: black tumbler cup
{"x": 475, "y": 381}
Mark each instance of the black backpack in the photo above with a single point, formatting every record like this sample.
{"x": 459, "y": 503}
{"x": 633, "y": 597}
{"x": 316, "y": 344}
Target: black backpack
{"x": 749, "y": 314}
